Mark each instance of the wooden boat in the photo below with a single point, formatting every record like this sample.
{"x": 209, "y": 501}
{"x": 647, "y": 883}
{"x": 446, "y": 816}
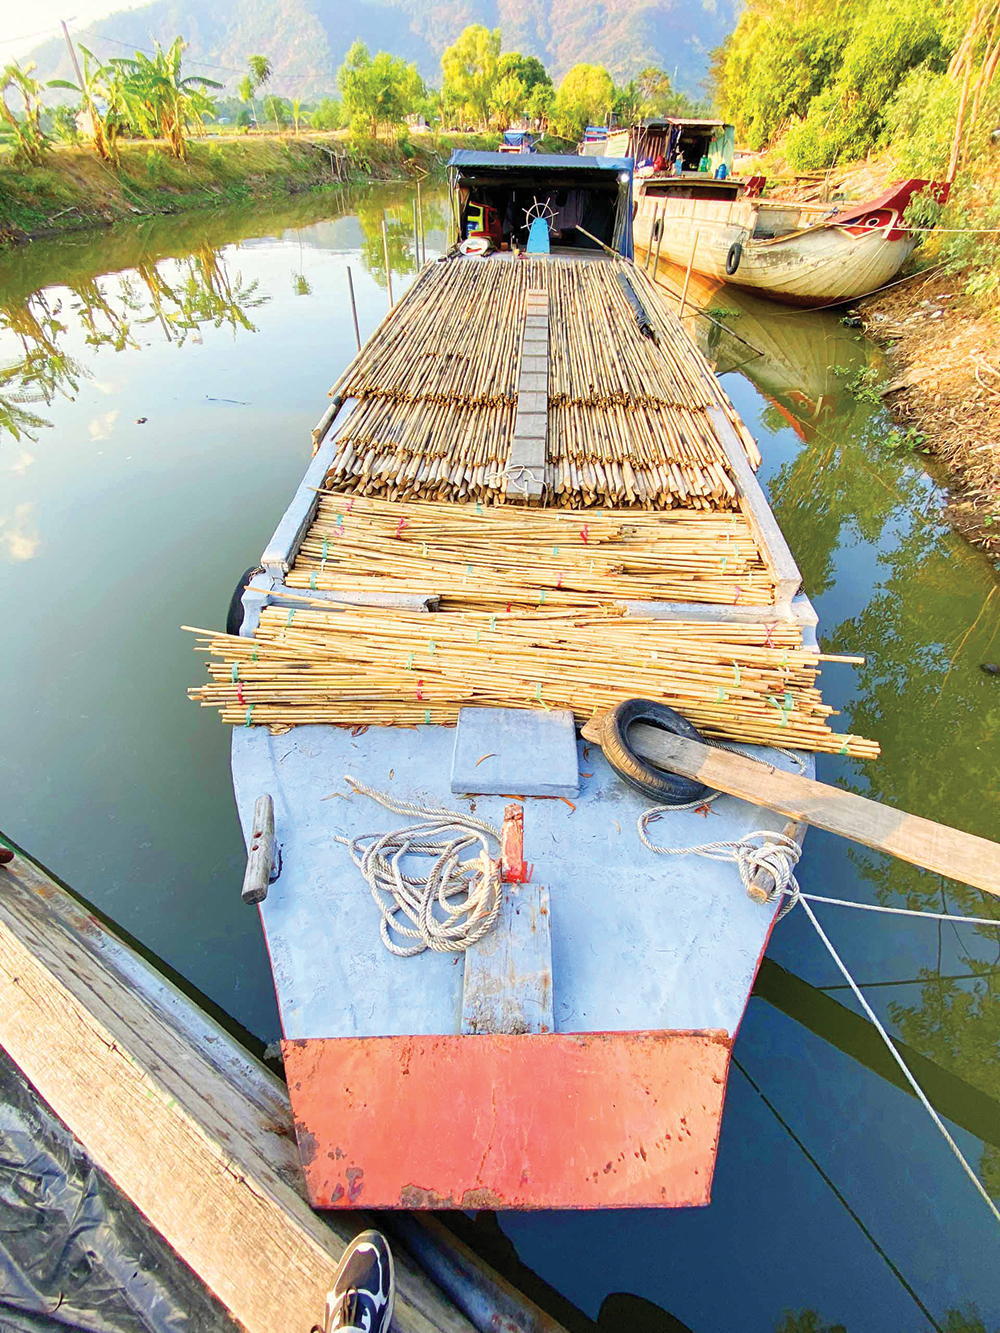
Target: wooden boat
{"x": 804, "y": 254}
{"x": 575, "y": 1054}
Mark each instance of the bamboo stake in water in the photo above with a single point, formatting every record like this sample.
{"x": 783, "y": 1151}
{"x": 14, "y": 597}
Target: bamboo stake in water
{"x": 687, "y": 276}
{"x": 659, "y": 241}
{"x": 388, "y": 266}
{"x": 420, "y": 220}
{"x": 416, "y": 234}
{"x": 354, "y": 308}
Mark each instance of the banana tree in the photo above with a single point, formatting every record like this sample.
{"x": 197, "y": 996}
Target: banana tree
{"x": 160, "y": 101}
{"x": 103, "y": 93}
{"x": 29, "y": 141}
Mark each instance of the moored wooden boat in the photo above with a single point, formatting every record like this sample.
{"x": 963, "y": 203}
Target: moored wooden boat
{"x": 534, "y": 500}
{"x": 804, "y": 254}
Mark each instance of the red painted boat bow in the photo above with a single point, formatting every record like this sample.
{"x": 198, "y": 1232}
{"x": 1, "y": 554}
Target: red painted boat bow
{"x": 592, "y": 1120}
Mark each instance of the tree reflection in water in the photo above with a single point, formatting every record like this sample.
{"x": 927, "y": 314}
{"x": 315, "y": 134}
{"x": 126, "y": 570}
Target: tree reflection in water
{"x": 180, "y": 296}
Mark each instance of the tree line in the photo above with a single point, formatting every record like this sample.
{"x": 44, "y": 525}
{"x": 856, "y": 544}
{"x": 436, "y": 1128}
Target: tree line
{"x": 149, "y": 96}
{"x": 838, "y": 79}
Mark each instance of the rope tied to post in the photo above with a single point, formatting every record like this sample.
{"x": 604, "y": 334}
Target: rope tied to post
{"x": 762, "y": 850}
{"x": 464, "y": 888}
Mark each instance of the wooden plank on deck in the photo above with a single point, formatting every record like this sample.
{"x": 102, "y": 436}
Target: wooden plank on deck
{"x": 194, "y": 1130}
{"x": 508, "y": 974}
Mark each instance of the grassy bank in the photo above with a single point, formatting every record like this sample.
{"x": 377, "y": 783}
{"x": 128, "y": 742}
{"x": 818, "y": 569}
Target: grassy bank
{"x": 74, "y": 189}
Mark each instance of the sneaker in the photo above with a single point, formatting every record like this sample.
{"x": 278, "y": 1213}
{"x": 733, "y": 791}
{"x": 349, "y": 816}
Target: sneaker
{"x": 364, "y": 1287}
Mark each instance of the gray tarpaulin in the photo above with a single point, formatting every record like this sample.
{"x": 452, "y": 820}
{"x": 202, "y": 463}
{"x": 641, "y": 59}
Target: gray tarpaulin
{"x": 75, "y": 1253}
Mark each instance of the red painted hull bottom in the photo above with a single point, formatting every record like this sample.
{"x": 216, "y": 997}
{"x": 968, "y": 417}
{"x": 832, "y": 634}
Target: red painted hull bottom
{"x": 593, "y": 1120}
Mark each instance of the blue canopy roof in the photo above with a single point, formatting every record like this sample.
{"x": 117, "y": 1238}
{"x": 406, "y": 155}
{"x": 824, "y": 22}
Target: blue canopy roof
{"x": 472, "y": 159}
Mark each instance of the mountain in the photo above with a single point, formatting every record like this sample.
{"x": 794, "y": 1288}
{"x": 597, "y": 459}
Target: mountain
{"x": 307, "y": 39}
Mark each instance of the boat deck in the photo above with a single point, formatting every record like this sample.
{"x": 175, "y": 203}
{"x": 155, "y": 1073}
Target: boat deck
{"x": 530, "y": 501}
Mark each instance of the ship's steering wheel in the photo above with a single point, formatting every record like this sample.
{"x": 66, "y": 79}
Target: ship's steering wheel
{"x": 537, "y": 210}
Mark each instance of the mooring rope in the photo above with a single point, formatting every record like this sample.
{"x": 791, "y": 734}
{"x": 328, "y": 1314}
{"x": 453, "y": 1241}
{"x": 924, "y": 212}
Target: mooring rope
{"x": 778, "y": 855}
{"x": 378, "y": 857}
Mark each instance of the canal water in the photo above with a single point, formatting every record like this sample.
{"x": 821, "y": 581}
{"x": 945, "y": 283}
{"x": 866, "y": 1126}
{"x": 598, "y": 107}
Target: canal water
{"x": 157, "y": 389}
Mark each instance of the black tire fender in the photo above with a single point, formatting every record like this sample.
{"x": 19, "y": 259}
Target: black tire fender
{"x": 734, "y": 257}
{"x": 234, "y": 616}
{"x": 664, "y": 788}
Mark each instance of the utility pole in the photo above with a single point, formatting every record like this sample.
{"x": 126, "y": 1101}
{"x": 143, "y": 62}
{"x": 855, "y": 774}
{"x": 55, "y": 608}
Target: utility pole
{"x": 79, "y": 77}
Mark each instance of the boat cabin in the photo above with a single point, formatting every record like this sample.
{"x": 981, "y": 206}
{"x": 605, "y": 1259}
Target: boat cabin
{"x": 585, "y": 203}
{"x": 517, "y": 141}
{"x": 660, "y": 141}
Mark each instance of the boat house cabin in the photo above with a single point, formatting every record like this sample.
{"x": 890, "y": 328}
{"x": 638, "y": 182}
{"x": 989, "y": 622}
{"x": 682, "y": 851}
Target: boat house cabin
{"x": 652, "y": 140}
{"x": 517, "y": 141}
{"x": 586, "y": 202}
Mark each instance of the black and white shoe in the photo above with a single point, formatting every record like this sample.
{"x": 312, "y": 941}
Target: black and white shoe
{"x": 364, "y": 1288}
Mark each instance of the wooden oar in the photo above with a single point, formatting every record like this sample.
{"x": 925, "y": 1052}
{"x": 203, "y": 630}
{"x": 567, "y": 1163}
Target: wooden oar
{"x": 922, "y": 842}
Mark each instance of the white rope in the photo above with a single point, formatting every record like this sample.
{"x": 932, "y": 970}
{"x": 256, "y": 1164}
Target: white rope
{"x": 761, "y": 850}
{"x": 918, "y": 1090}
{"x": 515, "y": 474}
{"x": 778, "y": 855}
{"x": 905, "y": 911}
{"x": 378, "y": 857}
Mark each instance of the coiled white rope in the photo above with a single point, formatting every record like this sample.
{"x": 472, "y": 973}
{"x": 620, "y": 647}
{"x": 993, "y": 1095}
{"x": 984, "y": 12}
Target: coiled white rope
{"x": 475, "y": 879}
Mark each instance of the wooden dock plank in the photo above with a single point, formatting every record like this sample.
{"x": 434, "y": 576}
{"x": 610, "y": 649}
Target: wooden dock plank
{"x": 190, "y": 1127}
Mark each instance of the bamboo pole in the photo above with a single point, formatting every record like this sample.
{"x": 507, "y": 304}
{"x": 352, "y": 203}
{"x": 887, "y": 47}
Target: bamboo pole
{"x": 687, "y": 276}
{"x": 354, "y": 307}
{"x": 423, "y": 234}
{"x": 388, "y": 266}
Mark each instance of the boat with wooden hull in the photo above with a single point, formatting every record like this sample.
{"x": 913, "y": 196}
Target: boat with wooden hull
{"x": 531, "y": 501}
{"x": 803, "y": 254}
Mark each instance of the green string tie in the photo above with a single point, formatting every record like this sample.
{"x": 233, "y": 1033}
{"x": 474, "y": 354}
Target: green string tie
{"x": 431, "y": 645}
{"x": 479, "y": 510}
{"x": 326, "y": 552}
{"x": 789, "y": 701}
{"x": 541, "y": 598}
{"x": 290, "y": 614}
{"x": 724, "y": 564}
{"x": 253, "y": 656}
{"x": 493, "y": 622}
{"x": 783, "y": 711}
{"x": 409, "y": 661}
{"x": 427, "y": 716}
{"x": 843, "y": 746}
{"x": 555, "y": 550}
{"x": 236, "y": 671}
{"x": 250, "y": 709}
{"x": 538, "y": 692}
{"x": 478, "y": 632}
{"x": 312, "y": 580}
{"x": 736, "y": 673}
{"x": 423, "y": 546}
{"x": 720, "y": 696}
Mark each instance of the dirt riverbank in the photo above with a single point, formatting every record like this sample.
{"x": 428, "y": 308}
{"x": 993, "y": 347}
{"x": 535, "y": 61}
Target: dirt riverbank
{"x": 943, "y": 384}
{"x": 74, "y": 189}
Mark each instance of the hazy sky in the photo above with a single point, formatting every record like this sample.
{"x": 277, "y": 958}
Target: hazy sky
{"x": 24, "y": 25}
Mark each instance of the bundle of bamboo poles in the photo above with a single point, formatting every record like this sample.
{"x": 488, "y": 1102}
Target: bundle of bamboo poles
{"x": 437, "y": 386}
{"x": 658, "y": 456}
{"x": 475, "y": 555}
{"x": 599, "y": 356}
{"x": 454, "y": 338}
{"x": 745, "y": 682}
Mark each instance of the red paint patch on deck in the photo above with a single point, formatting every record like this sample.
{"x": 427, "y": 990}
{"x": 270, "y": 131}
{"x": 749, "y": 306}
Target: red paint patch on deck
{"x": 591, "y": 1120}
